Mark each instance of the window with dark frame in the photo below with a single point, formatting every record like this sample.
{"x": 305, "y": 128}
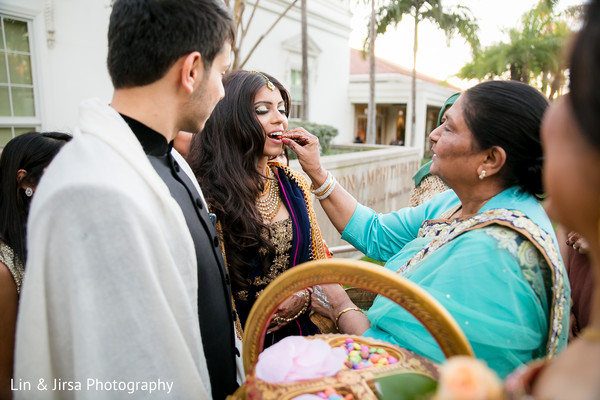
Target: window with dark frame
{"x": 17, "y": 99}
{"x": 297, "y": 104}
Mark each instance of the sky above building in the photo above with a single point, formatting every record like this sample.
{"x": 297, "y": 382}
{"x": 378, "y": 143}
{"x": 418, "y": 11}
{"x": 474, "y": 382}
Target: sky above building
{"x": 435, "y": 56}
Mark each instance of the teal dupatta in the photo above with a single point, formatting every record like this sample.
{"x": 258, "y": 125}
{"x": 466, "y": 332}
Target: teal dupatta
{"x": 498, "y": 273}
{"x": 515, "y": 220}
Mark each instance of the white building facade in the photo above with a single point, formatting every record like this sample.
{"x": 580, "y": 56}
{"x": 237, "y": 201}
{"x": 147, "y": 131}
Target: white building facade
{"x": 53, "y": 56}
{"x": 393, "y": 98}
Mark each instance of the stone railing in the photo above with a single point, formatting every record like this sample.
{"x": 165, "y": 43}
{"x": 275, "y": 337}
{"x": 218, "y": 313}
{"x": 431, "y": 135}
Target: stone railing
{"x": 378, "y": 176}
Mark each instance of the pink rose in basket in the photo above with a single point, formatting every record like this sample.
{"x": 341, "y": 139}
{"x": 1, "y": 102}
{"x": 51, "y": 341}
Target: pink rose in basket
{"x": 296, "y": 358}
{"x": 467, "y": 378}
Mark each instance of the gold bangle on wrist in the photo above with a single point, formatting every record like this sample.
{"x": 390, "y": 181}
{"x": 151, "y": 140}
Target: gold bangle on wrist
{"x": 280, "y": 320}
{"x": 345, "y": 310}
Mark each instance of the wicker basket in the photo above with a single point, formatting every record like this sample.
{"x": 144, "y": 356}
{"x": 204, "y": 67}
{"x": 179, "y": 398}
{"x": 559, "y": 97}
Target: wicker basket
{"x": 360, "y": 274}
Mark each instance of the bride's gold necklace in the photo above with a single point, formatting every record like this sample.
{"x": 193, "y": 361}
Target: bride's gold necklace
{"x": 269, "y": 206}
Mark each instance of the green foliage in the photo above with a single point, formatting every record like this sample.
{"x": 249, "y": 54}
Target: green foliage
{"x": 533, "y": 55}
{"x": 325, "y": 133}
{"x": 458, "y": 21}
{"x": 405, "y": 386}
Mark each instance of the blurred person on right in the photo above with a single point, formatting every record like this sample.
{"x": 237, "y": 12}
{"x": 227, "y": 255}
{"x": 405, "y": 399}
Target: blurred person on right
{"x": 571, "y": 140}
{"x": 574, "y": 250}
{"x": 486, "y": 250}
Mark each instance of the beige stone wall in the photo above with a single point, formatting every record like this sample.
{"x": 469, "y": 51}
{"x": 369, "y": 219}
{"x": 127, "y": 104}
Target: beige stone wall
{"x": 379, "y": 177}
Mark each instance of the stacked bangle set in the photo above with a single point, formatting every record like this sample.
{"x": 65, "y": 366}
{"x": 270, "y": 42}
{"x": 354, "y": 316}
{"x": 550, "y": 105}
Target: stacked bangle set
{"x": 323, "y": 191}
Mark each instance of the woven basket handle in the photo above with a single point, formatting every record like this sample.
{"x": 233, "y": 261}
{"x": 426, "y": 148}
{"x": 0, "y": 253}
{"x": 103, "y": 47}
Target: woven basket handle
{"x": 436, "y": 319}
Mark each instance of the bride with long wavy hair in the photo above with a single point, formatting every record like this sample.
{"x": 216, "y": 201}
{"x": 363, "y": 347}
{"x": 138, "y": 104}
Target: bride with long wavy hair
{"x": 263, "y": 208}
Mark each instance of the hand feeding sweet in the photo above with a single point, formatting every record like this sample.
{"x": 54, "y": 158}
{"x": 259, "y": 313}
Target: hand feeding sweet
{"x": 306, "y": 146}
{"x": 300, "y": 137}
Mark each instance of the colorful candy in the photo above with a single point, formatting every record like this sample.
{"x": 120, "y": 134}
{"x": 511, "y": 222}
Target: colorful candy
{"x": 331, "y": 394}
{"x": 361, "y": 356}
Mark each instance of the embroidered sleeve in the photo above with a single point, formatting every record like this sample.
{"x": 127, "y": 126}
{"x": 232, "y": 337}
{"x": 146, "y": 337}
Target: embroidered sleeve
{"x": 9, "y": 258}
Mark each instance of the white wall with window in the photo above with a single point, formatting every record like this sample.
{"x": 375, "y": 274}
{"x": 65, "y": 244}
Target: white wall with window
{"x": 295, "y": 89}
{"x": 292, "y": 47}
{"x": 18, "y": 109}
{"x": 52, "y": 56}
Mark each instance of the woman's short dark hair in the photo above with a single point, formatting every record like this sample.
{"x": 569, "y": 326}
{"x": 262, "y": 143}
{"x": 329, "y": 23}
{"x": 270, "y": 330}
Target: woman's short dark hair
{"x": 584, "y": 82}
{"x": 224, "y": 157}
{"x": 146, "y": 37}
{"x": 32, "y": 152}
{"x": 509, "y": 114}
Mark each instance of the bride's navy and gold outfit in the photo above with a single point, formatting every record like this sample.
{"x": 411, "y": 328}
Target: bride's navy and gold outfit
{"x": 296, "y": 240}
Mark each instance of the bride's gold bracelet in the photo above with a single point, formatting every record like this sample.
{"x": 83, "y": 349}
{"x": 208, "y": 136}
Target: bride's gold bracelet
{"x": 280, "y": 320}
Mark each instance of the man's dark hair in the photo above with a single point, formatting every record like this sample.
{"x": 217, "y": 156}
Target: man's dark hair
{"x": 146, "y": 37}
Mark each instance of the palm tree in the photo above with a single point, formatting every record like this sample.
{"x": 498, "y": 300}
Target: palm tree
{"x": 304, "y": 115}
{"x": 460, "y": 21}
{"x": 369, "y": 51}
{"x": 534, "y": 53}
{"x": 372, "y": 108}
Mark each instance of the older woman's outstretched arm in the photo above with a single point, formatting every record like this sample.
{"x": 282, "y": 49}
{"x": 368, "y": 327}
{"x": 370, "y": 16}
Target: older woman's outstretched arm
{"x": 338, "y": 204}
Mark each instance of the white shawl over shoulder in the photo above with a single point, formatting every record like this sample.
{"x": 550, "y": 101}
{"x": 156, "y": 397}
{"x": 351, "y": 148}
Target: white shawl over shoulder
{"x": 109, "y": 302}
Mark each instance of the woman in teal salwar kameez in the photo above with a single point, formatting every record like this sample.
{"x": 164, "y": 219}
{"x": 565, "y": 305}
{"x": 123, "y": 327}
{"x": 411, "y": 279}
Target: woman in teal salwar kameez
{"x": 492, "y": 280}
{"x": 485, "y": 249}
